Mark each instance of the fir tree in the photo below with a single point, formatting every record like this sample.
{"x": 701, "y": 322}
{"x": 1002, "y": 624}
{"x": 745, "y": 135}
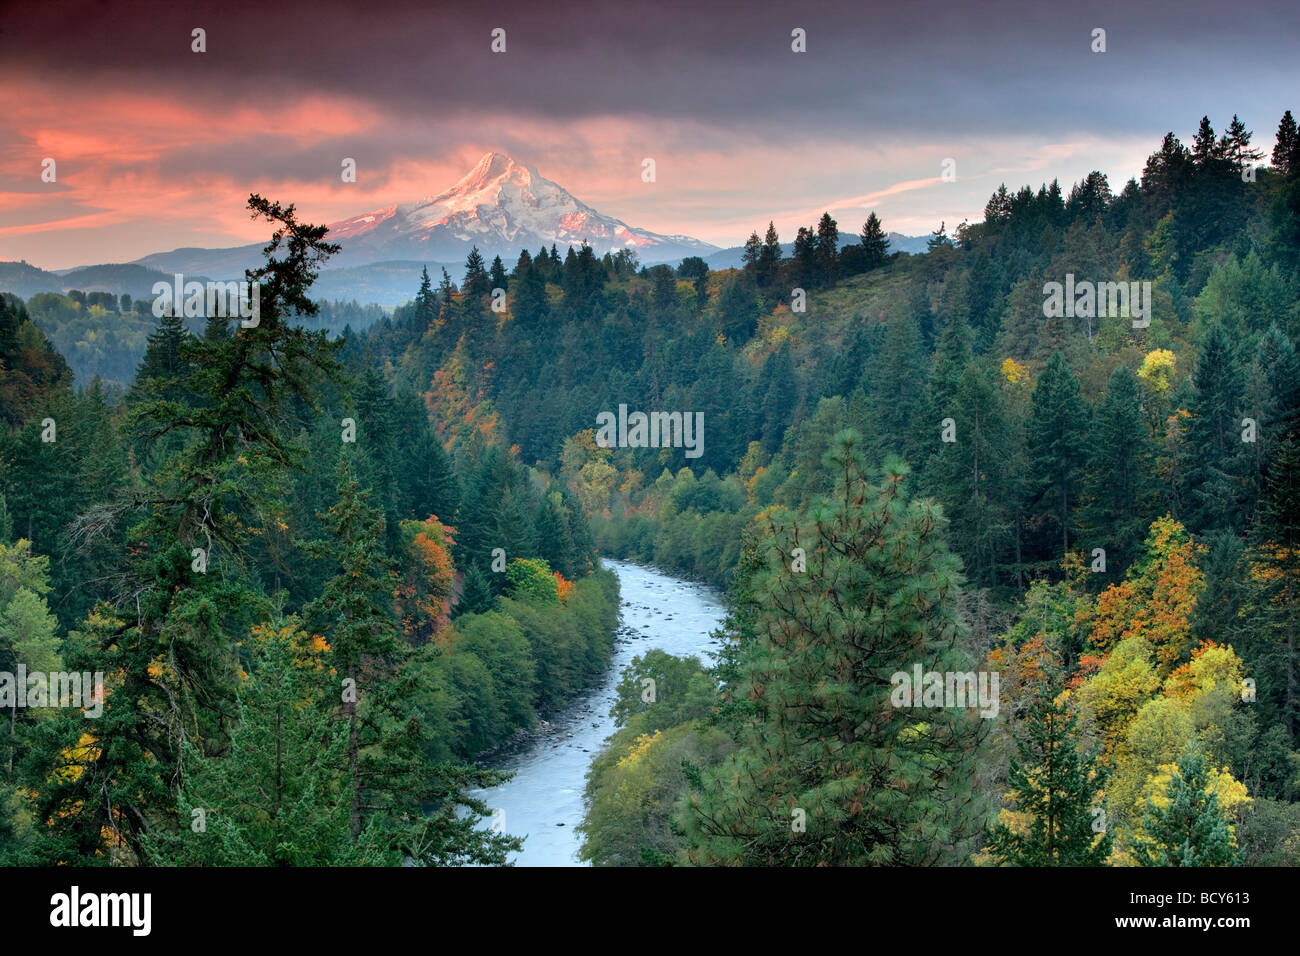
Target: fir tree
{"x": 1058, "y": 425}
{"x": 769, "y": 260}
{"x": 875, "y": 244}
{"x": 1287, "y": 147}
{"x": 1190, "y": 828}
{"x": 1057, "y": 786}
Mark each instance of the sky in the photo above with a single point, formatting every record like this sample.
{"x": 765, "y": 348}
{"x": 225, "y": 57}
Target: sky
{"x": 157, "y": 146}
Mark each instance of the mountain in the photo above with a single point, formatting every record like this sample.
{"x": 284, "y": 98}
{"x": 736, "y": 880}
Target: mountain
{"x": 501, "y": 206}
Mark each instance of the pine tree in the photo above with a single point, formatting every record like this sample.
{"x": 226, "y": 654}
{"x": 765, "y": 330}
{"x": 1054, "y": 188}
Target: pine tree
{"x": 497, "y": 274}
{"x": 353, "y": 612}
{"x": 1287, "y": 149}
{"x": 827, "y": 247}
{"x": 1057, "y": 431}
{"x": 753, "y": 251}
{"x": 769, "y": 260}
{"x": 971, "y": 478}
{"x": 826, "y": 771}
{"x": 172, "y": 650}
{"x": 426, "y": 305}
{"x": 1121, "y": 464}
{"x": 897, "y": 389}
{"x": 939, "y": 239}
{"x": 780, "y": 390}
{"x": 395, "y": 795}
{"x": 1056, "y": 786}
{"x": 278, "y": 796}
{"x": 1191, "y": 829}
{"x": 1238, "y": 149}
{"x": 875, "y": 244}
{"x": 1205, "y": 149}
{"x": 1217, "y": 459}
{"x": 1273, "y": 605}
{"x": 477, "y": 282}
{"x": 804, "y": 258}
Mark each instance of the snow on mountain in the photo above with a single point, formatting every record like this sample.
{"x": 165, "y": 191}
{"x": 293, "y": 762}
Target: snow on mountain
{"x": 501, "y": 206}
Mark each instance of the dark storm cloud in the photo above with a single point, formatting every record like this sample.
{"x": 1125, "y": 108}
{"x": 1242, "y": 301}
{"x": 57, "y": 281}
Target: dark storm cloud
{"x": 918, "y": 67}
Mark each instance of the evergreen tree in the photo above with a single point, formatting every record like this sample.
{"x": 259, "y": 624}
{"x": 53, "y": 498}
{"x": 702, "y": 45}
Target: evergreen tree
{"x": 1216, "y": 459}
{"x": 353, "y": 611}
{"x": 1238, "y": 149}
{"x": 172, "y": 653}
{"x": 1273, "y": 604}
{"x": 898, "y": 390}
{"x": 1057, "y": 434}
{"x": 769, "y": 260}
{"x": 939, "y": 239}
{"x": 1056, "y": 786}
{"x": 1190, "y": 829}
{"x": 875, "y": 244}
{"x": 426, "y": 305}
{"x": 826, "y": 770}
{"x": 827, "y": 247}
{"x": 477, "y": 281}
{"x": 753, "y": 250}
{"x": 1205, "y": 149}
{"x": 1121, "y": 464}
{"x": 278, "y": 796}
{"x": 804, "y": 259}
{"x": 1287, "y": 148}
{"x": 497, "y": 274}
{"x": 971, "y": 478}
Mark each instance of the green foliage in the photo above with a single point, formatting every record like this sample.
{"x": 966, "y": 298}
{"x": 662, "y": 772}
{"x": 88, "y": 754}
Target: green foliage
{"x": 1189, "y": 828}
{"x": 1057, "y": 787}
{"x": 820, "y": 744}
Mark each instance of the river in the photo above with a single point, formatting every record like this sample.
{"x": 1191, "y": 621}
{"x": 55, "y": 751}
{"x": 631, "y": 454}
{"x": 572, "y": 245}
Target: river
{"x": 543, "y": 801}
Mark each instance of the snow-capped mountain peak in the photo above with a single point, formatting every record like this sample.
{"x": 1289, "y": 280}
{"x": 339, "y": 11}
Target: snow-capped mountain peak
{"x": 502, "y": 206}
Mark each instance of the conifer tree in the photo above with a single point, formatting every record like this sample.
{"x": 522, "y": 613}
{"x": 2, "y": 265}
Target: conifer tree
{"x": 186, "y": 590}
{"x": 1216, "y": 457}
{"x": 1190, "y": 828}
{"x": 875, "y": 244}
{"x": 1121, "y": 462}
{"x": 1057, "y": 431}
{"x": 1287, "y": 147}
{"x": 1056, "y": 785}
{"x": 827, "y": 771}
{"x": 769, "y": 259}
{"x": 827, "y": 245}
{"x": 278, "y": 796}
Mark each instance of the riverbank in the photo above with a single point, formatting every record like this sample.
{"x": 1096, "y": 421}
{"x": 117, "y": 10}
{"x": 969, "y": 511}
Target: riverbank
{"x": 543, "y": 801}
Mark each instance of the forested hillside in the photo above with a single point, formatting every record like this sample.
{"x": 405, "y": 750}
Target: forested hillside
{"x": 260, "y": 551}
{"x": 905, "y": 460}
{"x": 1102, "y": 512}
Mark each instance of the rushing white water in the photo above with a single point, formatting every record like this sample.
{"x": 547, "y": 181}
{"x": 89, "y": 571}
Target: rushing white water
{"x": 543, "y": 801}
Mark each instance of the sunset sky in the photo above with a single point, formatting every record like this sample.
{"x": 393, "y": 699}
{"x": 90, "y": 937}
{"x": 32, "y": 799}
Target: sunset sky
{"x": 158, "y": 147}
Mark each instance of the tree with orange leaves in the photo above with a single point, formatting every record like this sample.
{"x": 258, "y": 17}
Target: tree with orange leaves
{"x": 427, "y": 578}
{"x": 1156, "y": 600}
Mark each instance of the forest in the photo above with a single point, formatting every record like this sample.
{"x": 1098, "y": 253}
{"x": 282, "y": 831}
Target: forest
{"x": 391, "y": 536}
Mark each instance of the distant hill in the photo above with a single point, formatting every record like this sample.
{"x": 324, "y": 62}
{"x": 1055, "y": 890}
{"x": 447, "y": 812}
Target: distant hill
{"x": 731, "y": 258}
{"x": 134, "y": 280}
